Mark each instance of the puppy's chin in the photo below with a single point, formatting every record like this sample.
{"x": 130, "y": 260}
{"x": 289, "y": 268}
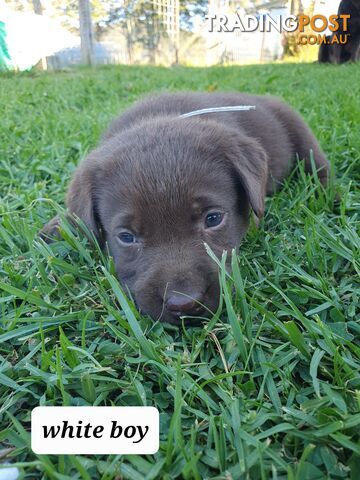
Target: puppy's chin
{"x": 184, "y": 320}
{"x": 165, "y": 316}
{"x": 178, "y": 320}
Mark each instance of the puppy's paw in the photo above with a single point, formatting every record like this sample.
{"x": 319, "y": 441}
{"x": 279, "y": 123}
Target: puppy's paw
{"x": 50, "y": 232}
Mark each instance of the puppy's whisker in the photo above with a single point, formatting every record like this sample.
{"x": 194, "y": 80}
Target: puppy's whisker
{"x": 163, "y": 302}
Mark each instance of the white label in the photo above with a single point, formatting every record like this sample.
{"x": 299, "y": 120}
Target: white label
{"x": 102, "y": 430}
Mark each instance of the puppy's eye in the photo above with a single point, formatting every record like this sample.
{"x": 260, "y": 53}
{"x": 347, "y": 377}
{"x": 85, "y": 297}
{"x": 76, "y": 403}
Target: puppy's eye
{"x": 213, "y": 219}
{"x": 127, "y": 237}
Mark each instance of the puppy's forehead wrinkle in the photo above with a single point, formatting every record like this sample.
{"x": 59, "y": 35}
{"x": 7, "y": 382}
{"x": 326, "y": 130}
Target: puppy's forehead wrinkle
{"x": 160, "y": 179}
{"x": 169, "y": 206}
{"x": 167, "y": 139}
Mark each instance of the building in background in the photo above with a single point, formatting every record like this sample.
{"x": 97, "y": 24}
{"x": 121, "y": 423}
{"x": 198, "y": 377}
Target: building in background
{"x": 244, "y": 47}
{"x": 168, "y": 12}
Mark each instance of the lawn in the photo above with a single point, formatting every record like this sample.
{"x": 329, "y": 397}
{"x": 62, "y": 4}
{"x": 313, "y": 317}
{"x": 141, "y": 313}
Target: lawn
{"x": 268, "y": 388}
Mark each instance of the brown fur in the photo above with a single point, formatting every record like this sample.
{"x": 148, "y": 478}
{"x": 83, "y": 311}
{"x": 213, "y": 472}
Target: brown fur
{"x": 158, "y": 176}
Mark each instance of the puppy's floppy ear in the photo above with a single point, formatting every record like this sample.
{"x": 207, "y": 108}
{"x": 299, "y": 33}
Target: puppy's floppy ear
{"x": 50, "y": 231}
{"x": 250, "y": 163}
{"x": 80, "y": 197}
{"x": 80, "y": 203}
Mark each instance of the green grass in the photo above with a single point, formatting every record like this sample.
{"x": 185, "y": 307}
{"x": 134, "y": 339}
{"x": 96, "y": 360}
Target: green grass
{"x": 268, "y": 389}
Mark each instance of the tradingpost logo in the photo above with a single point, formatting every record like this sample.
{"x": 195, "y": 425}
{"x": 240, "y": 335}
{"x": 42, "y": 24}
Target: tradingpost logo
{"x": 337, "y": 24}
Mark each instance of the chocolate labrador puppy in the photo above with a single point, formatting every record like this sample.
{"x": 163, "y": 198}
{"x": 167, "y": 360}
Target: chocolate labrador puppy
{"x": 160, "y": 186}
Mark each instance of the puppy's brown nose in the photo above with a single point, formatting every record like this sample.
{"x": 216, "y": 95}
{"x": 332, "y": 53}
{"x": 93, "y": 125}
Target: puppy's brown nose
{"x": 188, "y": 304}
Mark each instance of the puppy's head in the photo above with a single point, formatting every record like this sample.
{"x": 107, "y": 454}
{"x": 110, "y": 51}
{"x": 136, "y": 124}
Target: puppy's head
{"x": 156, "y": 194}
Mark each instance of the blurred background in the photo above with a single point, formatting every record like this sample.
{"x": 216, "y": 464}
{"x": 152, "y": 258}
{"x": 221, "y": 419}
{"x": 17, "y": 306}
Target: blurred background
{"x": 55, "y": 35}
